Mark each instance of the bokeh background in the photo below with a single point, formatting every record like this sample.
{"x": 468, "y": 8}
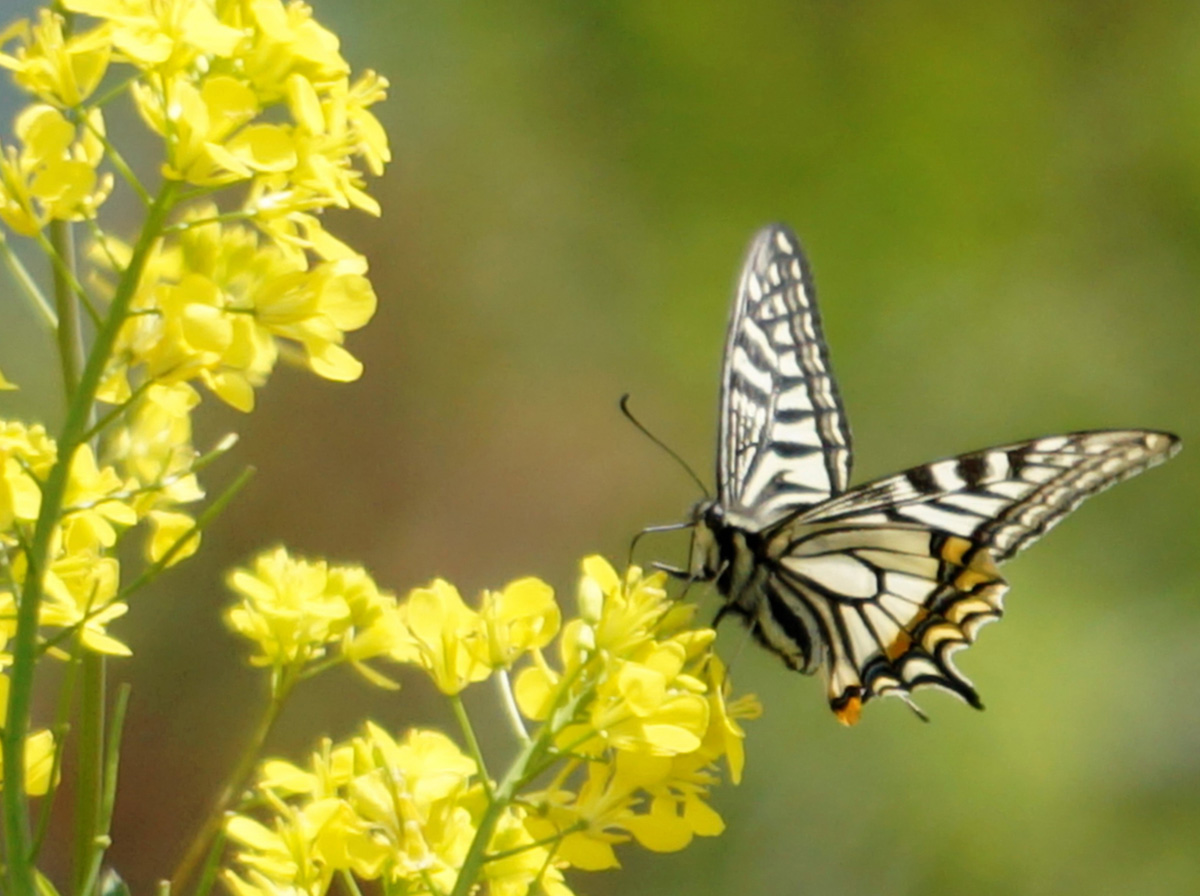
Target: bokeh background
{"x": 1001, "y": 203}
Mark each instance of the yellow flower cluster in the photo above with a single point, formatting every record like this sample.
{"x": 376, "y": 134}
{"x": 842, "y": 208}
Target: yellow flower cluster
{"x": 300, "y": 614}
{"x": 401, "y": 810}
{"x": 81, "y": 578}
{"x": 52, "y": 176}
{"x": 645, "y": 721}
{"x": 632, "y": 723}
{"x": 214, "y": 304}
{"x": 260, "y": 126}
{"x": 251, "y": 94}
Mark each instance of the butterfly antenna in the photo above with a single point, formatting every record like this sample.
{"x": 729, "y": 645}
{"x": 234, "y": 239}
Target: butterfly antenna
{"x": 663, "y": 445}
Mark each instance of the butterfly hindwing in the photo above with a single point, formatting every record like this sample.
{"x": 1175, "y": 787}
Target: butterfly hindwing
{"x": 903, "y": 571}
{"x": 784, "y": 442}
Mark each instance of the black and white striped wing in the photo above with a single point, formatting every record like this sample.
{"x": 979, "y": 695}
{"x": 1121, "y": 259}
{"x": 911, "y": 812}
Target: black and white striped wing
{"x": 784, "y": 441}
{"x": 898, "y": 574}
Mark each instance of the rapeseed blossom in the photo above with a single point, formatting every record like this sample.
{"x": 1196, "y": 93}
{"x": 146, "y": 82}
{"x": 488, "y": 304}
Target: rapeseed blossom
{"x": 620, "y": 710}
{"x": 260, "y": 126}
{"x": 300, "y": 612}
{"x": 633, "y": 723}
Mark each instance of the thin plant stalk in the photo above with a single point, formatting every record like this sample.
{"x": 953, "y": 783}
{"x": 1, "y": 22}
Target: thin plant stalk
{"x": 17, "y": 834}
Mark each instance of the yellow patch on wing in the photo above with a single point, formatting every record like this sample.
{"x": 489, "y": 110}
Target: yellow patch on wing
{"x": 970, "y": 578}
{"x": 954, "y": 549}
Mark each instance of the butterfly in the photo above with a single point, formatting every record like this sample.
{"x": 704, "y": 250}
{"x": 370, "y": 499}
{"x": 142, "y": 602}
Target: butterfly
{"x": 877, "y": 585}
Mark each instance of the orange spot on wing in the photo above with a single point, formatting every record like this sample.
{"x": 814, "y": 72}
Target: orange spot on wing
{"x": 897, "y": 648}
{"x": 850, "y": 711}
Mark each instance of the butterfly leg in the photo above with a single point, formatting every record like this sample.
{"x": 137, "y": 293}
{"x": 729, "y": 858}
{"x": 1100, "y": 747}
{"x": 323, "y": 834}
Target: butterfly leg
{"x": 652, "y": 530}
{"x": 675, "y": 572}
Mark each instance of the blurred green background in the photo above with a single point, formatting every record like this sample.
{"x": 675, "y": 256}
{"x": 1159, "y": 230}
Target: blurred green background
{"x": 1001, "y": 203}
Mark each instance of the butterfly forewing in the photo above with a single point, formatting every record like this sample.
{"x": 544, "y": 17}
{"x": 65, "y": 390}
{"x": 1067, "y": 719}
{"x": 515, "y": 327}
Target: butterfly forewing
{"x": 1004, "y": 498}
{"x": 879, "y": 585}
{"x": 784, "y": 442}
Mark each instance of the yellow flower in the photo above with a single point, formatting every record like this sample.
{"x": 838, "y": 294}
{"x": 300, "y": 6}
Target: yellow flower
{"x": 168, "y": 529}
{"x": 641, "y": 706}
{"x": 59, "y": 70}
{"x": 332, "y": 768}
{"x": 298, "y": 611}
{"x": 315, "y": 308}
{"x": 162, "y": 33}
{"x": 154, "y": 450}
{"x": 402, "y": 811}
{"x": 522, "y": 617}
{"x": 53, "y": 177}
{"x": 418, "y": 796}
{"x": 375, "y": 628}
{"x": 590, "y": 823}
{"x": 5, "y": 385}
{"x": 525, "y": 867}
{"x": 431, "y": 766}
{"x": 284, "y": 40}
{"x": 724, "y": 736}
{"x": 26, "y": 456}
{"x": 329, "y": 132}
{"x": 650, "y": 706}
{"x": 280, "y": 856}
{"x": 623, "y": 614}
{"x": 676, "y": 789}
{"x": 40, "y": 748}
{"x": 214, "y": 306}
{"x": 94, "y": 502}
{"x": 443, "y": 637}
{"x": 81, "y": 587}
{"x": 286, "y": 609}
{"x": 197, "y": 122}
{"x": 536, "y": 688}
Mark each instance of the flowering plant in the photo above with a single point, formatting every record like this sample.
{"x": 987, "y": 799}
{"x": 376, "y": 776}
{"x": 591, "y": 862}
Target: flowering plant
{"x": 619, "y": 714}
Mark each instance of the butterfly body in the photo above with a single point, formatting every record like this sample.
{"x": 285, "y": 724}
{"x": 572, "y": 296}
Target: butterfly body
{"x": 877, "y": 585}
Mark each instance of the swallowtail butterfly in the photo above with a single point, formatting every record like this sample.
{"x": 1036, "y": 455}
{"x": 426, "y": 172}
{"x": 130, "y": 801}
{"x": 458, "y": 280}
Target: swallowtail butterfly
{"x": 880, "y": 584}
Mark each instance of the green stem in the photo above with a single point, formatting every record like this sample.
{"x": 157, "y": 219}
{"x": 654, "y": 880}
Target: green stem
{"x": 552, "y": 840}
{"x": 70, "y": 336}
{"x": 89, "y": 776}
{"x": 21, "y": 877}
{"x": 64, "y": 268}
{"x": 62, "y": 728}
{"x": 350, "y": 883}
{"x": 108, "y": 791}
{"x": 468, "y": 874}
{"x": 234, "y": 785}
{"x": 464, "y": 722}
{"x": 27, "y": 284}
{"x": 102, "y": 424}
{"x": 524, "y": 768}
{"x": 211, "y": 866}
